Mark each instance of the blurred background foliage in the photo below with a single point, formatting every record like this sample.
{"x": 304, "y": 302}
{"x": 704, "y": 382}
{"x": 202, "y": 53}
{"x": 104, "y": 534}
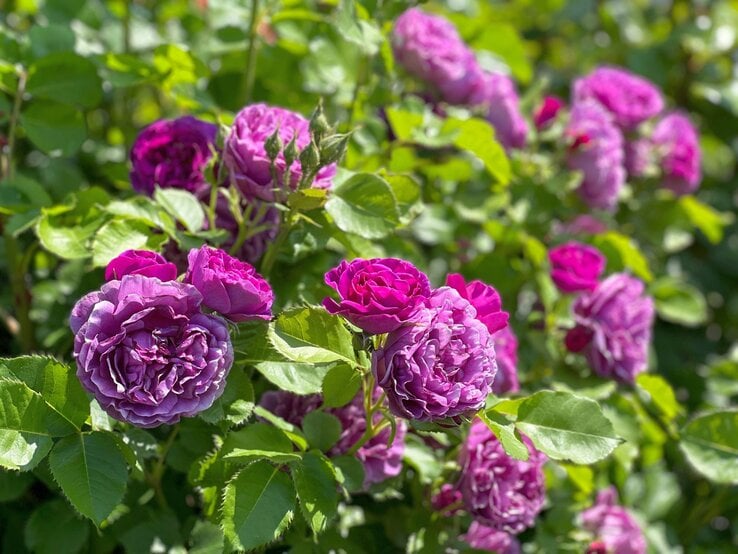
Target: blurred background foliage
{"x": 92, "y": 73}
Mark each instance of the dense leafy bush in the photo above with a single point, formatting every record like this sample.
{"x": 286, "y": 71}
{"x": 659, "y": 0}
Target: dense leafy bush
{"x": 363, "y": 276}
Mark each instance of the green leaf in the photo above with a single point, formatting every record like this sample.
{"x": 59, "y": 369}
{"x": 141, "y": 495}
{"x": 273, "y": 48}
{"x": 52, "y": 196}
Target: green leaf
{"x": 317, "y": 490}
{"x": 660, "y": 393}
{"x": 340, "y": 386}
{"x": 292, "y": 431}
{"x": 322, "y": 430}
{"x": 421, "y": 457}
{"x": 206, "y": 538}
{"x": 13, "y": 485}
{"x": 351, "y": 472}
{"x": 567, "y": 427}
{"x": 256, "y": 441}
{"x": 504, "y": 430}
{"x": 182, "y": 206}
{"x": 54, "y": 381}
{"x": 236, "y": 403}
{"x": 116, "y": 236}
{"x": 365, "y": 205}
{"x": 478, "y": 137}
{"x": 91, "y": 471}
{"x": 65, "y": 77}
{"x": 311, "y": 335}
{"x": 705, "y": 218}
{"x": 679, "y": 302}
{"x": 24, "y": 437}
{"x": 404, "y": 123}
{"x": 294, "y": 377}
{"x": 407, "y": 192}
{"x": 258, "y": 506}
{"x": 54, "y": 527}
{"x": 69, "y": 243}
{"x": 365, "y": 34}
{"x": 622, "y": 252}
{"x": 710, "y": 443}
{"x": 504, "y": 40}
{"x": 54, "y": 126}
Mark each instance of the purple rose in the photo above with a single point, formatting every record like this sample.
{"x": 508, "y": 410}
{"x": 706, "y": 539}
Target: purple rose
{"x": 499, "y": 491}
{"x": 576, "y": 267}
{"x": 485, "y": 299}
{"x": 229, "y": 286}
{"x": 506, "y": 351}
{"x": 439, "y": 365}
{"x": 172, "y": 153}
{"x": 638, "y": 154}
{"x": 596, "y": 149}
{"x": 629, "y": 98}
{"x": 380, "y": 461}
{"x": 497, "y": 94}
{"x": 613, "y": 327}
{"x": 140, "y": 262}
{"x": 613, "y": 525}
{"x": 481, "y": 537}
{"x": 547, "y": 111}
{"x": 376, "y": 295}
{"x": 584, "y": 224}
{"x": 246, "y": 158}
{"x": 429, "y": 48}
{"x": 447, "y": 500}
{"x": 676, "y": 140}
{"x": 147, "y": 353}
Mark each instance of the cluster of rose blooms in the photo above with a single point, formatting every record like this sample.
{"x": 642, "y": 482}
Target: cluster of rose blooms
{"x": 615, "y": 130}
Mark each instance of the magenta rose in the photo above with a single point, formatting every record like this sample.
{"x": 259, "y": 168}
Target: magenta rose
{"x": 481, "y": 537}
{"x": 506, "y": 352}
{"x": 629, "y": 98}
{"x": 576, "y": 267}
{"x": 499, "y": 491}
{"x": 613, "y": 526}
{"x": 676, "y": 142}
{"x": 596, "y": 149}
{"x": 547, "y": 111}
{"x": 440, "y": 364}
{"x": 376, "y": 295}
{"x": 485, "y": 299}
{"x": 584, "y": 224}
{"x": 172, "y": 153}
{"x": 140, "y": 262}
{"x": 499, "y": 97}
{"x": 429, "y": 48}
{"x": 246, "y": 158}
{"x": 228, "y": 285}
{"x": 447, "y": 500}
{"x": 613, "y": 327}
{"x": 147, "y": 353}
{"x": 638, "y": 157}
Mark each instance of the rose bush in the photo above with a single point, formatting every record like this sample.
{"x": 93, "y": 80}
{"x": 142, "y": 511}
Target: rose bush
{"x": 365, "y": 276}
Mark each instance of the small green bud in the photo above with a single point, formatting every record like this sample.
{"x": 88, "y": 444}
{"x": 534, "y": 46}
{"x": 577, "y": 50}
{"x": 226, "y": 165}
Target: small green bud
{"x": 273, "y": 145}
{"x": 291, "y": 152}
{"x": 310, "y": 159}
{"x": 319, "y": 126}
{"x": 333, "y": 148}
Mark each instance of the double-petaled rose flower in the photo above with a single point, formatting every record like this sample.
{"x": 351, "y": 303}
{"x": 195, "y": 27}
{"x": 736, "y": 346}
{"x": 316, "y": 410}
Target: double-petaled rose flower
{"x": 613, "y": 526}
{"x": 482, "y": 537}
{"x": 140, "y": 262}
{"x": 228, "y": 285}
{"x": 376, "y": 295}
{"x": 147, "y": 353}
{"x": 380, "y": 460}
{"x": 499, "y": 491}
{"x": 613, "y": 327}
{"x": 629, "y": 98}
{"x": 576, "y": 267}
{"x": 596, "y": 149}
{"x": 677, "y": 145}
{"x": 246, "y": 158}
{"x": 547, "y": 111}
{"x": 506, "y": 353}
{"x": 172, "y": 154}
{"x": 429, "y": 48}
{"x": 497, "y": 94}
{"x": 440, "y": 364}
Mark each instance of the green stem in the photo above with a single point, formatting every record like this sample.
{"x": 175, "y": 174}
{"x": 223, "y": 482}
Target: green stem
{"x": 158, "y": 470}
{"x": 13, "y": 124}
{"x": 270, "y": 256}
{"x": 250, "y": 73}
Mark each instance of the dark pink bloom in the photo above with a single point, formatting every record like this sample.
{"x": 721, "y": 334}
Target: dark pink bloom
{"x": 481, "y": 537}
{"x": 376, "y": 295}
{"x": 499, "y": 491}
{"x": 140, "y": 262}
{"x": 429, "y": 48}
{"x": 613, "y": 526}
{"x": 676, "y": 140}
{"x": 246, "y": 158}
{"x": 499, "y": 97}
{"x": 584, "y": 224}
{"x": 629, "y": 98}
{"x": 447, "y": 500}
{"x": 617, "y": 318}
{"x": 147, "y": 353}
{"x": 596, "y": 149}
{"x": 440, "y": 364}
{"x": 547, "y": 111}
{"x": 228, "y": 285}
{"x": 506, "y": 352}
{"x": 576, "y": 267}
{"x": 638, "y": 154}
{"x": 485, "y": 299}
{"x": 172, "y": 154}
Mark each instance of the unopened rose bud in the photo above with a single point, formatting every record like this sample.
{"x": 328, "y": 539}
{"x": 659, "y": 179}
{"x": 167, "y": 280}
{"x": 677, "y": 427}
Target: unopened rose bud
{"x": 291, "y": 152}
{"x": 333, "y": 148}
{"x": 310, "y": 159}
{"x": 273, "y": 145}
{"x": 319, "y": 126}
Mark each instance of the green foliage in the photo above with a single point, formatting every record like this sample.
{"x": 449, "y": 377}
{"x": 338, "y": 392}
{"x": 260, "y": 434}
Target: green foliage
{"x": 315, "y": 483}
{"x": 710, "y": 443}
